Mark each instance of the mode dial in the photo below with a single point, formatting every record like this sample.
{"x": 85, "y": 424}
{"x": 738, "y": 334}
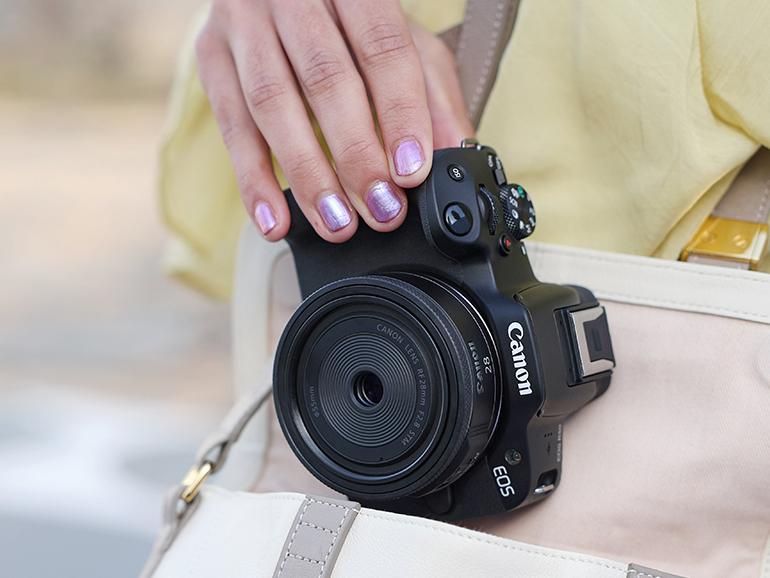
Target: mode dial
{"x": 518, "y": 211}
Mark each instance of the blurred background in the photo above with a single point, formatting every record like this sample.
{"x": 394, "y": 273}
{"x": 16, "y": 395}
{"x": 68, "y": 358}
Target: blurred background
{"x": 109, "y": 371}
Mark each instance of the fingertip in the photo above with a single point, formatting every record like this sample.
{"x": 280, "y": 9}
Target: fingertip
{"x": 386, "y": 204}
{"x": 332, "y": 217}
{"x": 271, "y": 219}
{"x": 410, "y": 161}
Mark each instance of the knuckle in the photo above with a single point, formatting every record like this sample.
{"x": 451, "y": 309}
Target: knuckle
{"x": 383, "y": 42}
{"x": 358, "y": 150}
{"x": 248, "y": 179}
{"x": 264, "y": 91}
{"x": 228, "y": 128}
{"x": 322, "y": 72}
{"x": 304, "y": 168}
{"x": 400, "y": 113}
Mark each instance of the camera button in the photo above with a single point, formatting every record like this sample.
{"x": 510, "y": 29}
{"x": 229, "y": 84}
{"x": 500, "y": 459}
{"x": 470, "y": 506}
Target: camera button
{"x": 458, "y": 219}
{"x": 499, "y": 172}
{"x": 488, "y": 209}
{"x": 456, "y": 173}
{"x": 505, "y": 244}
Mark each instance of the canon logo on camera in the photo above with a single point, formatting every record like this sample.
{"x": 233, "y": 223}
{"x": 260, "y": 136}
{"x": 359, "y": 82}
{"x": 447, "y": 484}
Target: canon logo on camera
{"x": 519, "y": 359}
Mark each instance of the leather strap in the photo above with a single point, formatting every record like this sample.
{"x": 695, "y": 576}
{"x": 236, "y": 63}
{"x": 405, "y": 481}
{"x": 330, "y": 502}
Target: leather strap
{"x": 478, "y": 44}
{"x": 315, "y": 538}
{"x": 636, "y": 571}
{"x": 748, "y": 198}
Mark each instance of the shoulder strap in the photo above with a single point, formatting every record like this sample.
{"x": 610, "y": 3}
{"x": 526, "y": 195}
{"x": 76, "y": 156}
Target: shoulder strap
{"x": 478, "y": 43}
{"x": 736, "y": 233}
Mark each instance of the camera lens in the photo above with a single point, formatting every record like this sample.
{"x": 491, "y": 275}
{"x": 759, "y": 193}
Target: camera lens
{"x": 386, "y": 386}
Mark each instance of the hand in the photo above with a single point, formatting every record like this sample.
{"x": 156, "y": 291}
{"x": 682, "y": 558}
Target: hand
{"x": 258, "y": 58}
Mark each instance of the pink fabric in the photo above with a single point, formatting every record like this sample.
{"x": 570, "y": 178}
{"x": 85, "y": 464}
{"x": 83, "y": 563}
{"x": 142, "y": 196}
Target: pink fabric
{"x": 670, "y": 468}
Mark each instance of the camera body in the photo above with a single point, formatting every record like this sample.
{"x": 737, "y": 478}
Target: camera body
{"x": 427, "y": 370}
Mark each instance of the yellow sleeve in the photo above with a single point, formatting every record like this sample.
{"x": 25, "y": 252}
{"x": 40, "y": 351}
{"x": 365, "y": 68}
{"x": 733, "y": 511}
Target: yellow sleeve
{"x": 199, "y": 199}
{"x": 735, "y": 47}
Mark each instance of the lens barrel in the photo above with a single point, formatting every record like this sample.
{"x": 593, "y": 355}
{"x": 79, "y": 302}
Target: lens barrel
{"x": 387, "y": 386}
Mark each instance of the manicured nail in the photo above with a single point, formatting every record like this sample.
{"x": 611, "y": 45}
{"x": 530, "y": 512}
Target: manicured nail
{"x": 265, "y": 218}
{"x": 334, "y": 212}
{"x": 408, "y": 157}
{"x": 383, "y": 202}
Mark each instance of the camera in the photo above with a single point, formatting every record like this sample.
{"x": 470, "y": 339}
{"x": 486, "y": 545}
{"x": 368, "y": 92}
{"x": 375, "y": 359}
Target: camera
{"x": 427, "y": 370}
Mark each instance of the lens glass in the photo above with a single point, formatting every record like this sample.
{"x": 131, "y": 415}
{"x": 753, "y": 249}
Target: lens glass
{"x": 367, "y": 389}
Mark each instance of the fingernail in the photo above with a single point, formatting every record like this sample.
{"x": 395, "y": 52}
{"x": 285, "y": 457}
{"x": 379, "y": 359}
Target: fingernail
{"x": 334, "y": 212}
{"x": 408, "y": 157}
{"x": 383, "y": 202}
{"x": 265, "y": 218}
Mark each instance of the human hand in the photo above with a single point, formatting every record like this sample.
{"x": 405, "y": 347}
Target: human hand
{"x": 259, "y": 58}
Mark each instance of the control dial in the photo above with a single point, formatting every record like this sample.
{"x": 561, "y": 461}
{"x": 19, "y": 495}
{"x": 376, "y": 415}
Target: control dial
{"x": 518, "y": 211}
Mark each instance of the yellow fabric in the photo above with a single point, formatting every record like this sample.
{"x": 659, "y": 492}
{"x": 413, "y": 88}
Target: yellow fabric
{"x": 626, "y": 120}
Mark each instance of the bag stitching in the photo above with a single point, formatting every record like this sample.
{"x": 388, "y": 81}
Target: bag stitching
{"x": 334, "y": 540}
{"x": 315, "y": 501}
{"x": 660, "y": 301}
{"x": 495, "y": 543}
{"x": 321, "y": 528}
{"x": 498, "y": 27}
{"x": 762, "y": 209}
{"x": 617, "y": 261}
{"x": 641, "y": 574}
{"x": 303, "y": 558}
{"x": 293, "y": 536}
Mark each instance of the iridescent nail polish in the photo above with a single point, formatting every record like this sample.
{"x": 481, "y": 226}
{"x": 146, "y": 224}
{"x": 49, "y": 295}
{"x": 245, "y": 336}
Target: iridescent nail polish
{"x": 383, "y": 202}
{"x": 334, "y": 212}
{"x": 265, "y": 217}
{"x": 408, "y": 157}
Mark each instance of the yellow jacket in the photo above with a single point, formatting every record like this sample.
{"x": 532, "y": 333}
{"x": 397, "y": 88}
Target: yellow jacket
{"x": 626, "y": 120}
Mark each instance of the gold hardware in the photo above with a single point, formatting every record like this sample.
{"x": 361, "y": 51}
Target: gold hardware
{"x": 194, "y": 480}
{"x": 741, "y": 242}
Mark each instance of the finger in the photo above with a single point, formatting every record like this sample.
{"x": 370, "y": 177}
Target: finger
{"x": 273, "y": 99}
{"x": 336, "y": 93}
{"x": 261, "y": 193}
{"x": 385, "y": 52}
{"x": 448, "y": 112}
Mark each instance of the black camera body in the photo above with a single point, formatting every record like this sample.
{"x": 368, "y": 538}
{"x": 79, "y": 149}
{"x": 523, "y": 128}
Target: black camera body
{"x": 427, "y": 370}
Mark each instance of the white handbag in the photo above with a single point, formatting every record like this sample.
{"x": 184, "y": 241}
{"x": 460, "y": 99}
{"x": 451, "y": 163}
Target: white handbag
{"x": 669, "y": 469}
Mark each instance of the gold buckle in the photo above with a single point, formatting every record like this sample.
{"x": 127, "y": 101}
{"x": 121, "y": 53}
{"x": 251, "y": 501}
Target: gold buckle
{"x": 194, "y": 480}
{"x": 740, "y": 242}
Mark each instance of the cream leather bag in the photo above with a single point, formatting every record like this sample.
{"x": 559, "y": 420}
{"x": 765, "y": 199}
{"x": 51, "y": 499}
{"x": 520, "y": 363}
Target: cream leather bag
{"x": 669, "y": 469}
